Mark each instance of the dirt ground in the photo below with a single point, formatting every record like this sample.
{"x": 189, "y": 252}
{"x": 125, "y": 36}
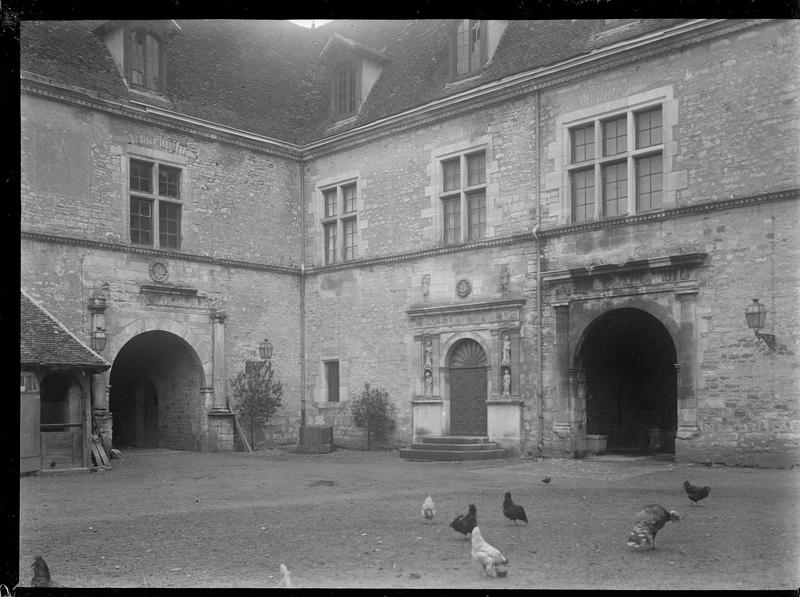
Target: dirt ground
{"x": 163, "y": 518}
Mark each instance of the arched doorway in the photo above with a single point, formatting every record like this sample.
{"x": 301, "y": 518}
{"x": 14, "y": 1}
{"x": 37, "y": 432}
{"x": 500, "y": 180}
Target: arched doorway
{"x": 155, "y": 393}
{"x": 628, "y": 357}
{"x": 468, "y": 389}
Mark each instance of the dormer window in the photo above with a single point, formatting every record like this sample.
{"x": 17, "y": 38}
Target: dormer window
{"x": 139, "y": 51}
{"x": 469, "y": 47}
{"x": 146, "y": 59}
{"x": 345, "y": 89}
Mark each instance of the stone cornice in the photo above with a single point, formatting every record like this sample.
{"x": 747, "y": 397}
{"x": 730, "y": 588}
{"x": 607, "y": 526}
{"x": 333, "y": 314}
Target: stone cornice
{"x": 615, "y": 55}
{"x": 525, "y": 237}
{"x": 656, "y": 263}
{"x": 146, "y": 252}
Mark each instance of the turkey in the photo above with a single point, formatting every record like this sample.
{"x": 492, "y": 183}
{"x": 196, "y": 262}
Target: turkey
{"x": 491, "y": 560}
{"x": 464, "y": 523}
{"x": 513, "y": 511}
{"x": 695, "y": 493}
{"x": 428, "y": 508}
{"x": 649, "y": 521}
{"x": 41, "y": 574}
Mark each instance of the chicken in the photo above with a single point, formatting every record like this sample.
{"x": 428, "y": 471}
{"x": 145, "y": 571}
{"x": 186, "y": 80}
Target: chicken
{"x": 649, "y": 521}
{"x": 41, "y": 574}
{"x": 428, "y": 508}
{"x": 546, "y": 480}
{"x": 695, "y": 493}
{"x": 493, "y": 563}
{"x": 464, "y": 523}
{"x": 286, "y": 578}
{"x": 513, "y": 511}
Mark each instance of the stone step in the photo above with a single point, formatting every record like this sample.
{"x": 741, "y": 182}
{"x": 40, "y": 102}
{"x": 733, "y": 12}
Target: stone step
{"x": 454, "y": 447}
{"x": 446, "y": 455}
{"x": 454, "y": 439}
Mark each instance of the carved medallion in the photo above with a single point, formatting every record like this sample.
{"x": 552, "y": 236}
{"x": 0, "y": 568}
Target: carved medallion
{"x": 463, "y": 288}
{"x": 158, "y": 272}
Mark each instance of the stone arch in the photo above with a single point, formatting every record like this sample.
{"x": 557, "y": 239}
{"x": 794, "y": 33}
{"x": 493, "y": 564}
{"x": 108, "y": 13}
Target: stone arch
{"x": 201, "y": 348}
{"x": 581, "y": 325}
{"x": 447, "y": 350}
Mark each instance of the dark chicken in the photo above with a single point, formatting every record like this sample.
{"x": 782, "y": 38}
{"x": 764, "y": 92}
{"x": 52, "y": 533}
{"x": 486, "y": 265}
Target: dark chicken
{"x": 695, "y": 493}
{"x": 649, "y": 521}
{"x": 464, "y": 523}
{"x": 41, "y": 574}
{"x": 513, "y": 511}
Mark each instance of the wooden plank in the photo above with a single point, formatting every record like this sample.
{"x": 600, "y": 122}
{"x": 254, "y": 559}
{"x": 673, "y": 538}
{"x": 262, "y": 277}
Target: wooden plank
{"x": 242, "y": 436}
{"x": 96, "y": 455}
{"x": 97, "y": 445}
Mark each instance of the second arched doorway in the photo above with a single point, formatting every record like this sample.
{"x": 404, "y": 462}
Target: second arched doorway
{"x": 468, "y": 388}
{"x": 628, "y": 360}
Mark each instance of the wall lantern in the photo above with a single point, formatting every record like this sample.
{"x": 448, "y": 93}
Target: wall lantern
{"x": 265, "y": 350}
{"x": 98, "y": 340}
{"x": 756, "y": 315}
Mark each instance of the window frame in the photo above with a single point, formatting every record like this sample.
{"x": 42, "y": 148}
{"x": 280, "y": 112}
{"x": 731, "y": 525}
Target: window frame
{"x": 159, "y": 228}
{"x": 482, "y": 54}
{"x": 462, "y": 196}
{"x": 331, "y": 391}
{"x": 340, "y": 225}
{"x": 602, "y": 161}
{"x": 352, "y": 94}
{"x": 131, "y": 33}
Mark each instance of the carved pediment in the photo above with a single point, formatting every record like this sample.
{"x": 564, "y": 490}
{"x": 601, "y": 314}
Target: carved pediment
{"x": 492, "y": 314}
{"x": 673, "y": 272}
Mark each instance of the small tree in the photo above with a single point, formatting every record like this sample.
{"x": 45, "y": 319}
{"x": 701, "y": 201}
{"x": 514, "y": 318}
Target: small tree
{"x": 258, "y": 394}
{"x": 374, "y": 413}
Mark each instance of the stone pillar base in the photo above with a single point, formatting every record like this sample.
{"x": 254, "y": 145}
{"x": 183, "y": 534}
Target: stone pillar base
{"x": 428, "y": 417}
{"x": 219, "y": 437}
{"x": 504, "y": 423}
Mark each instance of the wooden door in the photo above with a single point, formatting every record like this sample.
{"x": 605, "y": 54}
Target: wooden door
{"x": 468, "y": 402}
{"x": 468, "y": 381}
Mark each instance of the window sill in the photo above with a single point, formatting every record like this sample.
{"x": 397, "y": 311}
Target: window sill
{"x": 329, "y": 405}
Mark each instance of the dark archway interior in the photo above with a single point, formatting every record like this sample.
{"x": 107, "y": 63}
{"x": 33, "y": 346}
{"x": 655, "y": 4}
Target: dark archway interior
{"x": 631, "y": 383}
{"x": 155, "y": 393}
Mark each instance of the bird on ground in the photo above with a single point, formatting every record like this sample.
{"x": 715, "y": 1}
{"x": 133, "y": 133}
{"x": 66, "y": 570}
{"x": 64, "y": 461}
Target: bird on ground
{"x": 649, "y": 521}
{"x": 493, "y": 563}
{"x": 428, "y": 508}
{"x": 286, "y": 578}
{"x": 546, "y": 480}
{"x": 41, "y": 574}
{"x": 695, "y": 493}
{"x": 464, "y": 523}
{"x": 513, "y": 511}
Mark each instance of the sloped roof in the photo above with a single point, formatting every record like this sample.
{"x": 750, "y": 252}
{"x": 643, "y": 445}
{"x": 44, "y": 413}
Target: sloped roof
{"x": 269, "y": 78}
{"x": 45, "y": 342}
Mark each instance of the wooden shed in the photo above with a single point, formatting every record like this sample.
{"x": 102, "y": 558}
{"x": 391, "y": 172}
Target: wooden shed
{"x": 56, "y": 370}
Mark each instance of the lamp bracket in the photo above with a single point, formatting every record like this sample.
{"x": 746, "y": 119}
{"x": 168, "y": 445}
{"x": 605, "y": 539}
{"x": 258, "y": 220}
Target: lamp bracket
{"x": 769, "y": 339}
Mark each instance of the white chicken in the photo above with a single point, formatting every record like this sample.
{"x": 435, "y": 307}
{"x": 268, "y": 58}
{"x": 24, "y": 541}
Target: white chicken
{"x": 428, "y": 508}
{"x": 286, "y": 578}
{"x": 493, "y": 563}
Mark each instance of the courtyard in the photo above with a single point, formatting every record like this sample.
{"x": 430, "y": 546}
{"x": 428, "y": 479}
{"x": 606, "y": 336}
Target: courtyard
{"x": 163, "y": 518}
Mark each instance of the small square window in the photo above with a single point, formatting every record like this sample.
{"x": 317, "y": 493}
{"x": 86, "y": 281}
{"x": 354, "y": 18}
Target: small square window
{"x": 583, "y": 195}
{"x": 350, "y": 247}
{"x": 141, "y": 176}
{"x": 476, "y": 168}
{"x": 349, "y": 198}
{"x": 476, "y": 202}
{"x": 330, "y": 243}
{"x": 452, "y": 220}
{"x": 615, "y": 189}
{"x": 649, "y": 183}
{"x": 141, "y": 221}
{"x": 451, "y": 171}
{"x": 648, "y": 128}
{"x": 169, "y": 225}
{"x": 330, "y": 202}
{"x": 615, "y": 136}
{"x": 169, "y": 181}
{"x": 583, "y": 144}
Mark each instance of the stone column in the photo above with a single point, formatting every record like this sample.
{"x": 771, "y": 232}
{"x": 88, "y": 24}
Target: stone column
{"x": 218, "y": 361}
{"x": 687, "y": 369}
{"x": 577, "y": 410}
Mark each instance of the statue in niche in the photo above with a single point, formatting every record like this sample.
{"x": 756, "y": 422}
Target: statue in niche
{"x": 426, "y": 284}
{"x": 504, "y": 276}
{"x": 506, "y": 354}
{"x": 428, "y": 361}
{"x": 506, "y": 381}
{"x": 428, "y": 382}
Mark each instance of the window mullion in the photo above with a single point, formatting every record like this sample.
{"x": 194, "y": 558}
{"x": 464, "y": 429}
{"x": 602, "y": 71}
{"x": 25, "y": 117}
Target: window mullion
{"x": 631, "y": 163}
{"x": 463, "y": 200}
{"x": 598, "y": 173}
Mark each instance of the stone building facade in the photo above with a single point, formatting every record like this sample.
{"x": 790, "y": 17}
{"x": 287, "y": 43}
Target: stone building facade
{"x": 538, "y": 242}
